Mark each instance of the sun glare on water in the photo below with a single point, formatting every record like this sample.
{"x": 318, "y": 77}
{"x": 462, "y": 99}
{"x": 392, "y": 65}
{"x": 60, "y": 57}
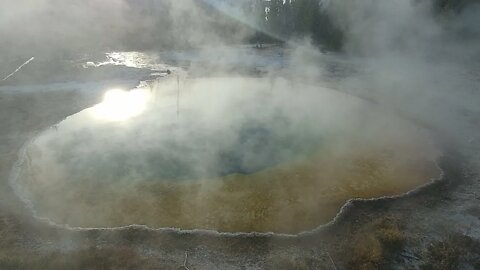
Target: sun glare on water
{"x": 120, "y": 105}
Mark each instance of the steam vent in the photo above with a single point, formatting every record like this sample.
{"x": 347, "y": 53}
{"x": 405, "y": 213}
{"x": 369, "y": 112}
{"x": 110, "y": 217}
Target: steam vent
{"x": 226, "y": 154}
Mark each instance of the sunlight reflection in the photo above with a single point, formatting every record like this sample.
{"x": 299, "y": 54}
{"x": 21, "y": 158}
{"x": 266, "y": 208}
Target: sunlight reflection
{"x": 120, "y": 105}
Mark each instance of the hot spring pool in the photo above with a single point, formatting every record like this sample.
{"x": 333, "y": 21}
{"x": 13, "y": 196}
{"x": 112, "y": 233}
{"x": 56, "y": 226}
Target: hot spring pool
{"x": 226, "y": 154}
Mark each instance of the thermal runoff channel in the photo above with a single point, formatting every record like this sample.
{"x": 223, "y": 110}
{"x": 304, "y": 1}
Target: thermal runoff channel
{"x": 230, "y": 154}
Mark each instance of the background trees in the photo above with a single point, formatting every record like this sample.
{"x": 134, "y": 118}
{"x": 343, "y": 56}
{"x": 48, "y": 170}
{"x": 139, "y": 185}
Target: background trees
{"x": 296, "y": 19}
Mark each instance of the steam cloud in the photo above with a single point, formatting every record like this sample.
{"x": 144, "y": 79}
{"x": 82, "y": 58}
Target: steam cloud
{"x": 397, "y": 54}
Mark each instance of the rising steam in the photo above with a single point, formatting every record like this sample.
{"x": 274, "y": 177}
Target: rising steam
{"x": 280, "y": 138}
